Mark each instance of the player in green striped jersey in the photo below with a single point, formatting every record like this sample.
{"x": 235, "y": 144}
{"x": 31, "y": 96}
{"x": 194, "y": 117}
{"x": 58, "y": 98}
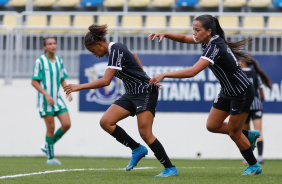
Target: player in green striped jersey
{"x": 48, "y": 74}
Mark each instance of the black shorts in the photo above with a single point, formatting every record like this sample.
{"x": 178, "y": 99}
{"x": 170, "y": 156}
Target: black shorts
{"x": 139, "y": 103}
{"x": 236, "y": 105}
{"x": 254, "y": 114}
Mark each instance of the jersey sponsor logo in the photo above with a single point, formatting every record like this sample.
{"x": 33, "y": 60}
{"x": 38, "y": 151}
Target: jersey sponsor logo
{"x": 106, "y": 95}
{"x": 214, "y": 53}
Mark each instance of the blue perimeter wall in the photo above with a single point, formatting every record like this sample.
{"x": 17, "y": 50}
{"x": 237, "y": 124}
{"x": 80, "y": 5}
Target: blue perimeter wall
{"x": 178, "y": 95}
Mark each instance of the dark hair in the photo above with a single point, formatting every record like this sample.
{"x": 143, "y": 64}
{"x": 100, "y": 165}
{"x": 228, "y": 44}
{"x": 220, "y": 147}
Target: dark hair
{"x": 44, "y": 40}
{"x": 264, "y": 78}
{"x": 210, "y": 22}
{"x": 96, "y": 33}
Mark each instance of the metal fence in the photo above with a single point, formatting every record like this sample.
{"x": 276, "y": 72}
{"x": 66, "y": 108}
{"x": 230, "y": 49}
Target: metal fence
{"x": 19, "y": 50}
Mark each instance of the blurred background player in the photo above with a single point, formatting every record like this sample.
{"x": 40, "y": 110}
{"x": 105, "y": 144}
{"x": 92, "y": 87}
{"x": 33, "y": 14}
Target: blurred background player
{"x": 48, "y": 74}
{"x": 256, "y": 75}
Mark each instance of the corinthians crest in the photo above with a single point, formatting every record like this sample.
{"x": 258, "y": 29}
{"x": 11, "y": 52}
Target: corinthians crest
{"x": 106, "y": 95}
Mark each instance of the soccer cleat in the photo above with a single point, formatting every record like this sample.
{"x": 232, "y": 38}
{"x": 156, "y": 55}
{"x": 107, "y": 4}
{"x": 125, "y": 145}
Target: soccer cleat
{"x": 53, "y": 161}
{"x": 137, "y": 154}
{"x": 252, "y": 137}
{"x": 43, "y": 148}
{"x": 253, "y": 169}
{"x": 172, "y": 171}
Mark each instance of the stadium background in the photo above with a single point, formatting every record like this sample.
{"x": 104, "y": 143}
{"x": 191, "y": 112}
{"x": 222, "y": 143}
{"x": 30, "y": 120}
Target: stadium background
{"x": 24, "y": 24}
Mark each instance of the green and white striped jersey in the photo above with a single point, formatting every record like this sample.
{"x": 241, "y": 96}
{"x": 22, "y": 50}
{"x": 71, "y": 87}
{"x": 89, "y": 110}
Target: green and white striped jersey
{"x": 49, "y": 74}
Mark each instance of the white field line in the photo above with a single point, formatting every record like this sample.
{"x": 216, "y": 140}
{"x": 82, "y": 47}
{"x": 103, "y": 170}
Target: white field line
{"x": 67, "y": 170}
{"x": 96, "y": 169}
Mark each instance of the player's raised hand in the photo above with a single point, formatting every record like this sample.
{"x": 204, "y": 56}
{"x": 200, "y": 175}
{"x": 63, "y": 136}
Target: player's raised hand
{"x": 71, "y": 88}
{"x": 156, "y": 79}
{"x": 152, "y": 36}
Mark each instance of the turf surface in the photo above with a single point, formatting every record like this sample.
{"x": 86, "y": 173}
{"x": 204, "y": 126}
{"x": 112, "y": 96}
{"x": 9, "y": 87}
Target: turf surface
{"x": 80, "y": 170}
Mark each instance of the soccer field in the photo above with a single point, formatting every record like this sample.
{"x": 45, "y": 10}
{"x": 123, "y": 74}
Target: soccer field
{"x": 76, "y": 170}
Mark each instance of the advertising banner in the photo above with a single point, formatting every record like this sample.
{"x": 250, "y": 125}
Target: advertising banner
{"x": 177, "y": 95}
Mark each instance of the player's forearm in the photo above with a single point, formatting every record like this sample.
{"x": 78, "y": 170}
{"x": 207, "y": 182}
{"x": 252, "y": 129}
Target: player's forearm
{"x": 38, "y": 87}
{"x": 186, "y": 73}
{"x": 177, "y": 37}
{"x": 95, "y": 84}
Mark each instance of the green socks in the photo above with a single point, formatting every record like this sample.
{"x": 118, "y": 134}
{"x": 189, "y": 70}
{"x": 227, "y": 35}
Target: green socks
{"x": 59, "y": 133}
{"x": 50, "y": 141}
{"x": 49, "y": 146}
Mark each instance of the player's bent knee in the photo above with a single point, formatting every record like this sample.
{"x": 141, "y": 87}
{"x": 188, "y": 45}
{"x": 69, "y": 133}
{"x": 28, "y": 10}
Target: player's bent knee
{"x": 105, "y": 124}
{"x": 66, "y": 126}
{"x": 211, "y": 128}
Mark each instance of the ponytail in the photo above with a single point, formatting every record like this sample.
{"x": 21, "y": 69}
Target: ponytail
{"x": 218, "y": 30}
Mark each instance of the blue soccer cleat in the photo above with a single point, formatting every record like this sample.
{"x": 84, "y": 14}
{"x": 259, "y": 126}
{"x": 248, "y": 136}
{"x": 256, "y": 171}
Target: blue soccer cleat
{"x": 44, "y": 149}
{"x": 252, "y": 137}
{"x": 172, "y": 171}
{"x": 53, "y": 161}
{"x": 253, "y": 169}
{"x": 137, "y": 154}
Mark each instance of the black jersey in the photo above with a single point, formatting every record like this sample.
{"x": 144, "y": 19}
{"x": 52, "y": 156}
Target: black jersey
{"x": 255, "y": 79}
{"x": 135, "y": 80}
{"x": 225, "y": 67}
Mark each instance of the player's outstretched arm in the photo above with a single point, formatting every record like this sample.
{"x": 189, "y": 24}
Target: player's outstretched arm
{"x": 175, "y": 37}
{"x": 186, "y": 73}
{"x": 102, "y": 82}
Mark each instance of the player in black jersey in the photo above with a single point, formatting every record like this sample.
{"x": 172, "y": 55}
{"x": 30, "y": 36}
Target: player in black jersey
{"x": 255, "y": 74}
{"x": 140, "y": 98}
{"x": 237, "y": 91}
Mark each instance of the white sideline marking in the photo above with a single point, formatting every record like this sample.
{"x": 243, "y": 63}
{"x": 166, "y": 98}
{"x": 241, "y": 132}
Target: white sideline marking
{"x": 67, "y": 170}
{"x": 95, "y": 169}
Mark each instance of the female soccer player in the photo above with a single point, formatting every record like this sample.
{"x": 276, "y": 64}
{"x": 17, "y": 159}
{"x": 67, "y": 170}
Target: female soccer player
{"x": 140, "y": 98}
{"x": 256, "y": 75}
{"x": 237, "y": 91}
{"x": 48, "y": 74}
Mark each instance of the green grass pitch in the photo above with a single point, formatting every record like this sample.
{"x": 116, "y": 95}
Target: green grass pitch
{"x": 80, "y": 170}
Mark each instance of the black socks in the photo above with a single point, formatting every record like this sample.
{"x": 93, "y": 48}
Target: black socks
{"x": 249, "y": 156}
{"x": 160, "y": 153}
{"x": 260, "y": 147}
{"x": 245, "y": 132}
{"x": 122, "y": 137}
